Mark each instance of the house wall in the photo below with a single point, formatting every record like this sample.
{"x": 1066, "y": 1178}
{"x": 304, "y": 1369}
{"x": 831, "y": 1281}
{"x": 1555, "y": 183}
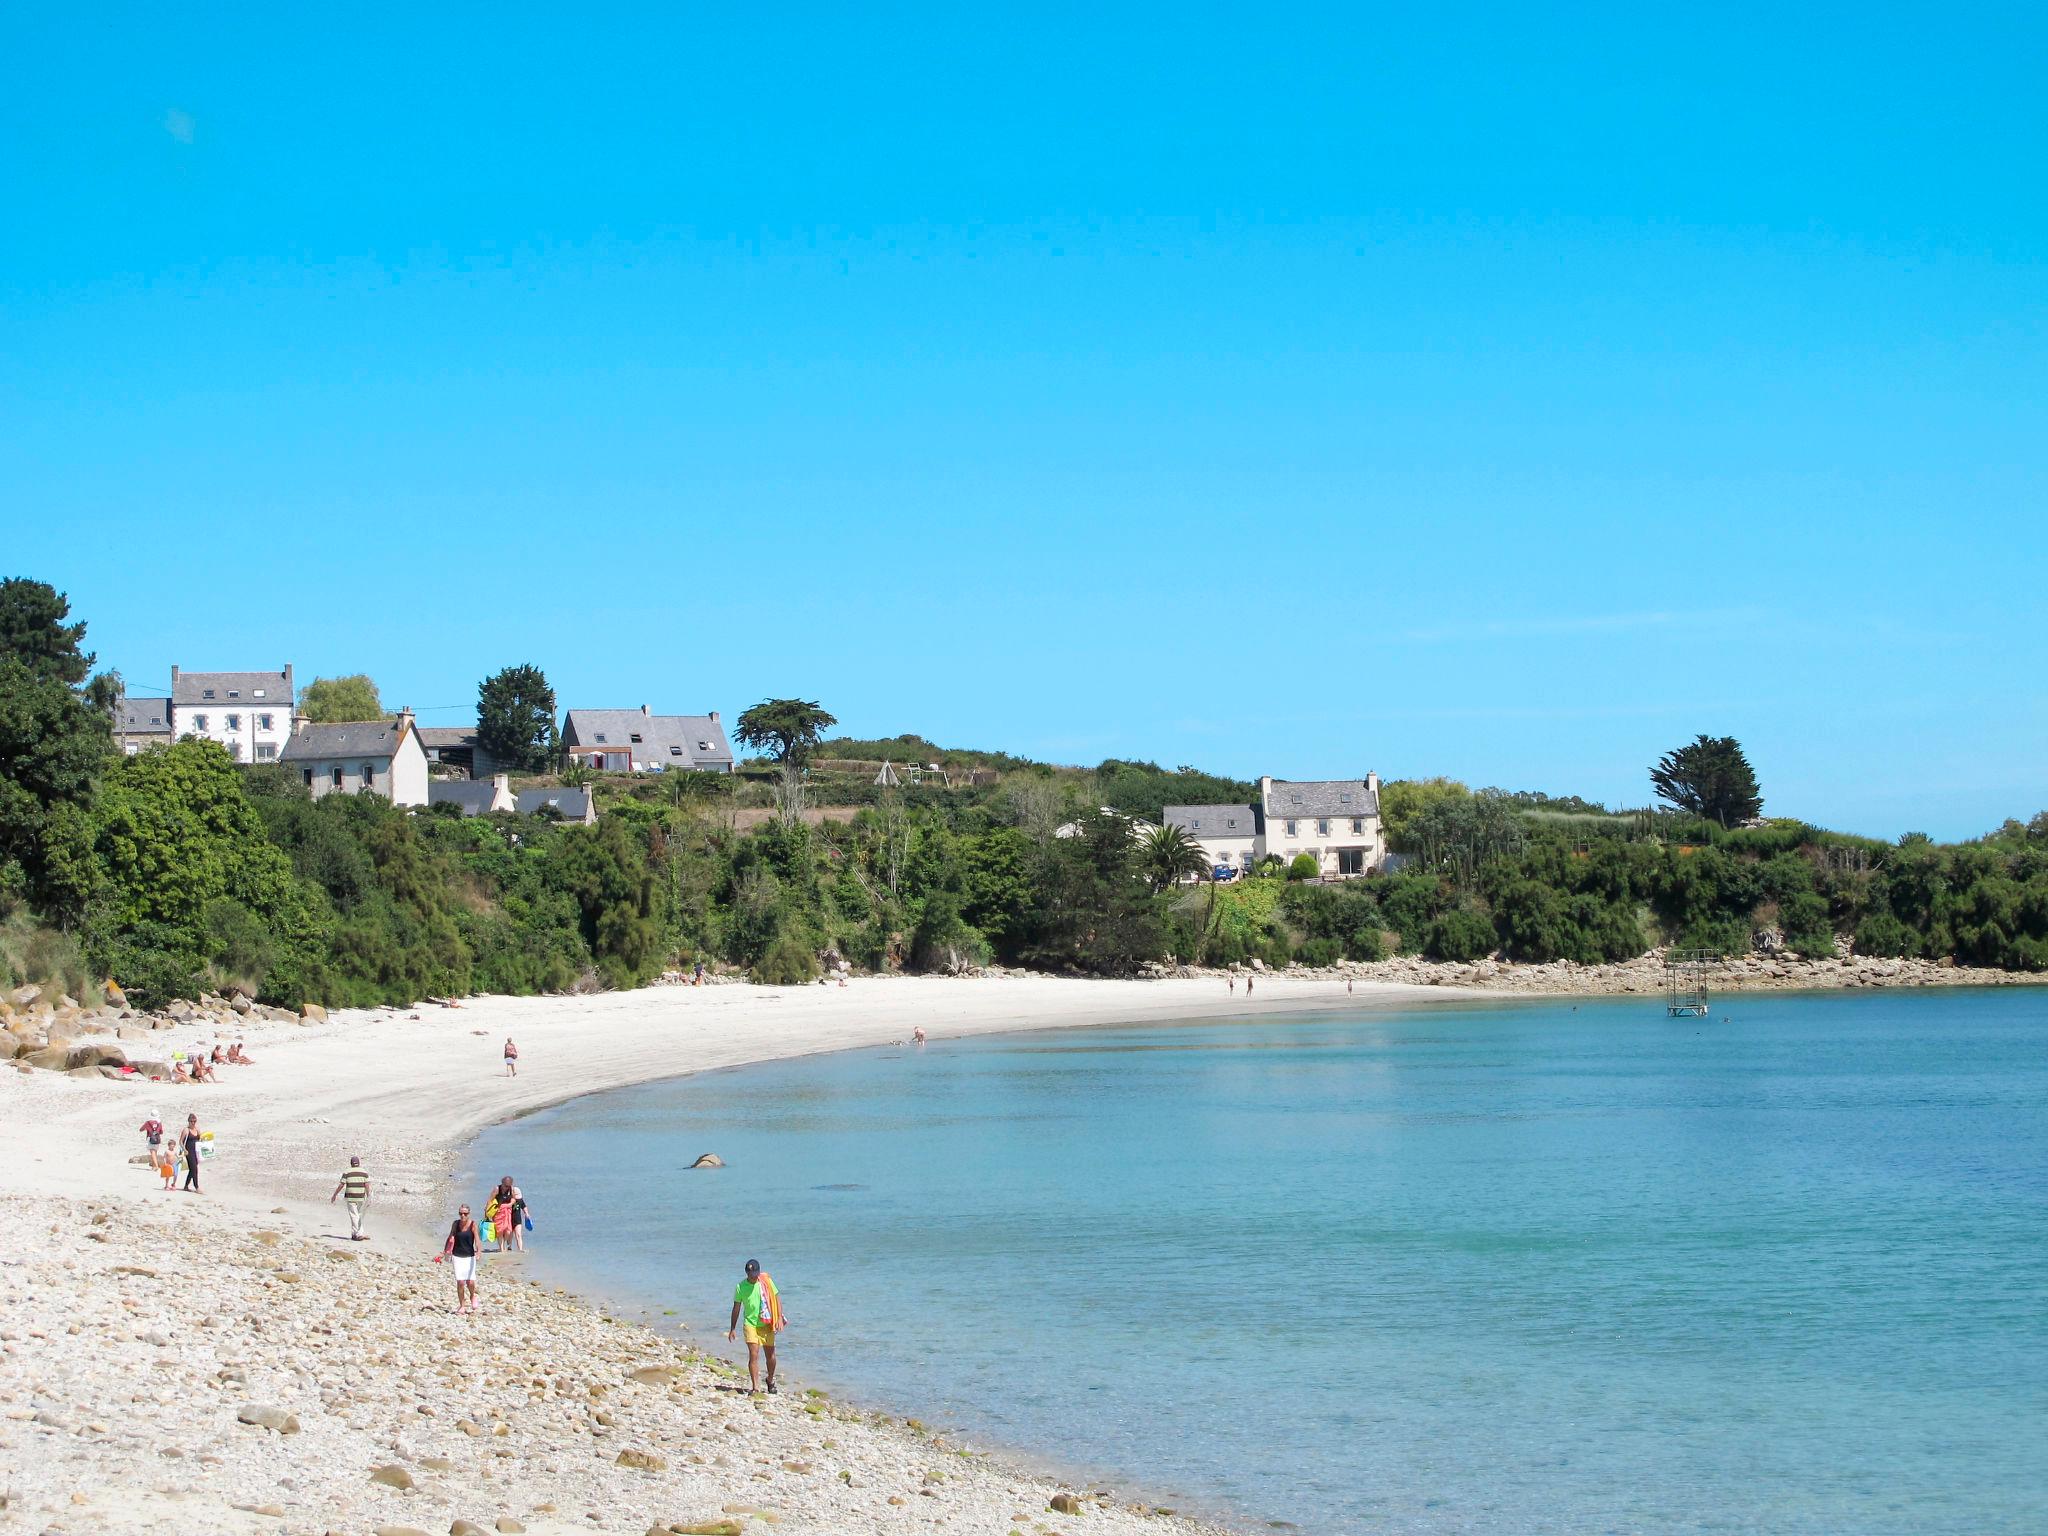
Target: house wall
{"x": 1308, "y": 838}
{"x": 407, "y": 776}
{"x": 322, "y": 782}
{"x": 1237, "y": 852}
{"x": 247, "y": 741}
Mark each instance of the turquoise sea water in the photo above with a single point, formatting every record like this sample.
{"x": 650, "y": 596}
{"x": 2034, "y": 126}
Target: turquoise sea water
{"x": 1505, "y": 1268}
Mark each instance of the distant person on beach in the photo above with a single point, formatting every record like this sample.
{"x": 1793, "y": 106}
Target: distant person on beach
{"x": 511, "y": 1058}
{"x": 238, "y": 1056}
{"x": 165, "y": 1161}
{"x": 1247, "y": 986}
{"x": 698, "y": 980}
{"x": 1233, "y": 983}
{"x": 460, "y": 1252}
{"x": 355, "y": 1187}
{"x": 1349, "y": 988}
{"x": 190, "y": 1143}
{"x": 152, "y": 1133}
{"x": 757, "y": 1303}
{"x": 511, "y": 1215}
{"x": 917, "y": 1035}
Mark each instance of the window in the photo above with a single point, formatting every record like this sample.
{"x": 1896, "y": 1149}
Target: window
{"x": 337, "y": 777}
{"x": 234, "y": 693}
{"x": 703, "y": 746}
{"x": 675, "y": 751}
{"x": 369, "y": 774}
{"x": 1290, "y": 829}
{"x": 600, "y": 737}
{"x": 265, "y": 722}
{"x": 199, "y": 722}
{"x": 1344, "y": 797}
{"x": 234, "y": 722}
{"x": 265, "y": 751}
{"x": 633, "y": 736}
{"x": 235, "y": 750}
{"x": 309, "y": 777}
{"x": 1350, "y": 861}
{"x": 1322, "y": 826}
{"x": 128, "y": 747}
{"x": 1358, "y": 826}
{"x": 206, "y": 693}
{"x": 256, "y": 693}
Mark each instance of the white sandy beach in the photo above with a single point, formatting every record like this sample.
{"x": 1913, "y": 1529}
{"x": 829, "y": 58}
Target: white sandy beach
{"x": 137, "y": 1325}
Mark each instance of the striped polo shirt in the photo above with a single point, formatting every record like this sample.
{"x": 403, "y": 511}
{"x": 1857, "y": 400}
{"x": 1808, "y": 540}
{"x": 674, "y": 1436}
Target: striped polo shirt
{"x": 355, "y": 1185}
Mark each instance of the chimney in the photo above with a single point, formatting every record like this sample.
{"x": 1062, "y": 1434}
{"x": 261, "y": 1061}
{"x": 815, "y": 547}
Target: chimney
{"x": 1372, "y": 782}
{"x": 501, "y": 787}
{"x": 643, "y": 709}
{"x": 1265, "y": 789}
{"x": 714, "y": 717}
{"x": 405, "y": 717}
{"x": 174, "y": 679}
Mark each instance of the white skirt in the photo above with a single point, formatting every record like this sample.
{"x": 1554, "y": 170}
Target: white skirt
{"x": 465, "y": 1269}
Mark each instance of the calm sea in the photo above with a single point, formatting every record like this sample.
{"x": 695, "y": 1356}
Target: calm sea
{"x": 1506, "y": 1268}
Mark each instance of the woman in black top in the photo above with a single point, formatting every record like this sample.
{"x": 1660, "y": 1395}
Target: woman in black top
{"x": 190, "y": 1141}
{"x": 460, "y": 1251}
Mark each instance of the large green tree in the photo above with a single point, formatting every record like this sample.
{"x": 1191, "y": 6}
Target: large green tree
{"x": 53, "y": 741}
{"x": 339, "y": 700}
{"x": 1711, "y": 778}
{"x": 787, "y": 728}
{"x": 515, "y": 718}
{"x": 1168, "y": 856}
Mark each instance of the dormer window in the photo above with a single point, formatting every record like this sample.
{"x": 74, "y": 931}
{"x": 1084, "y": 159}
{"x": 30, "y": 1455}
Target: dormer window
{"x": 206, "y": 693}
{"x": 256, "y": 693}
{"x": 703, "y": 746}
{"x": 633, "y": 736}
{"x": 675, "y": 751}
{"x": 234, "y": 693}
{"x": 600, "y": 738}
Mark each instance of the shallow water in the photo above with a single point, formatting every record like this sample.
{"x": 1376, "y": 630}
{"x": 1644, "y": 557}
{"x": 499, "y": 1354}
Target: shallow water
{"x": 1519, "y": 1267}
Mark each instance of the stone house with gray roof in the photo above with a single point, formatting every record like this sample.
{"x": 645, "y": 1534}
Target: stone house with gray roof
{"x": 639, "y": 741}
{"x": 565, "y": 804}
{"x": 249, "y": 713}
{"x": 142, "y": 723}
{"x": 1336, "y": 821}
{"x": 366, "y": 757}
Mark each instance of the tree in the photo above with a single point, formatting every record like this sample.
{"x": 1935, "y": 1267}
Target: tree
{"x": 53, "y": 741}
{"x": 1402, "y": 802}
{"x": 787, "y": 728}
{"x": 515, "y": 718}
{"x": 339, "y": 700}
{"x": 1168, "y": 856}
{"x": 1710, "y": 778}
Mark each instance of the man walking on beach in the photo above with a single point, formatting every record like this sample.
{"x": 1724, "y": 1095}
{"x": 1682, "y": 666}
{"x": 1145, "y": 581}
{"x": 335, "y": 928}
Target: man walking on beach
{"x": 756, "y": 1300}
{"x": 355, "y": 1184}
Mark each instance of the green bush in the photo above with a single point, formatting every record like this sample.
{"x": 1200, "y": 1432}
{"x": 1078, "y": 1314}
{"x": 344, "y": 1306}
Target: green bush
{"x": 1460, "y": 934}
{"x": 787, "y": 962}
{"x": 1304, "y": 867}
{"x": 1319, "y": 952}
{"x": 1882, "y": 934}
{"x": 1365, "y": 944}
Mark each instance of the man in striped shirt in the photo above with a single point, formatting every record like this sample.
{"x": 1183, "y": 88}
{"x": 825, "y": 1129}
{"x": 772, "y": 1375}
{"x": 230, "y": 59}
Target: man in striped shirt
{"x": 355, "y": 1187}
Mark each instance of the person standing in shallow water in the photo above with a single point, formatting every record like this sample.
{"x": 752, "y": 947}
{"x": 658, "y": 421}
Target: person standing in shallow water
{"x": 756, "y": 1301}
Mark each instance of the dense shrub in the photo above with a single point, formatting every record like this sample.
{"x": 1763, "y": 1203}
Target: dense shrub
{"x": 1320, "y": 952}
{"x": 1304, "y": 867}
{"x": 788, "y": 962}
{"x": 1460, "y": 934}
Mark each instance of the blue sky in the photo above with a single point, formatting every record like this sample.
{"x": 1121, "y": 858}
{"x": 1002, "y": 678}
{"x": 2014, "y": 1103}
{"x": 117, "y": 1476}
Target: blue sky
{"x": 1501, "y": 392}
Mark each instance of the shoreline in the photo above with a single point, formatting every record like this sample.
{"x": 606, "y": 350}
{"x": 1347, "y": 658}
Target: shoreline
{"x": 409, "y": 1090}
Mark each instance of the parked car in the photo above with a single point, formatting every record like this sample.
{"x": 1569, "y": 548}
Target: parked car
{"x": 1223, "y": 872}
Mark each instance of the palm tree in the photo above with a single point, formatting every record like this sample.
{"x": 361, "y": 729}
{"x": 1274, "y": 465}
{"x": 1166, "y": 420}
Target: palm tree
{"x": 1169, "y": 856}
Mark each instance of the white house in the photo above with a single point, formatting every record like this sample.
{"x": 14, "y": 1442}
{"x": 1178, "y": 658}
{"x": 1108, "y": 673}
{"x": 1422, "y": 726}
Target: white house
{"x": 1229, "y": 834}
{"x": 249, "y": 713}
{"x": 639, "y": 741}
{"x": 1336, "y": 821}
{"x": 370, "y": 757}
{"x": 142, "y": 723}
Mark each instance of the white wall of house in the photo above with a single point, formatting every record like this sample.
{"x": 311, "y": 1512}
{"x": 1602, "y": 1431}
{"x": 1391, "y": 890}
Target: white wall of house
{"x": 408, "y": 772}
{"x": 253, "y": 730}
{"x": 1235, "y": 852}
{"x": 1322, "y": 837}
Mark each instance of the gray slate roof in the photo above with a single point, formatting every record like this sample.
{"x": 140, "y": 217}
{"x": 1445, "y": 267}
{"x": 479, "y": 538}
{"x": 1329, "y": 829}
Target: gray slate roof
{"x": 432, "y": 736}
{"x": 473, "y": 795}
{"x": 190, "y": 688}
{"x": 701, "y": 738}
{"x": 574, "y": 804}
{"x": 363, "y": 738}
{"x": 1213, "y": 820}
{"x": 1321, "y": 797}
{"x": 139, "y": 717}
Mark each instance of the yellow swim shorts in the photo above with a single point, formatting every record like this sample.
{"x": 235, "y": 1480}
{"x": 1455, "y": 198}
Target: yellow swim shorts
{"x": 763, "y": 1335}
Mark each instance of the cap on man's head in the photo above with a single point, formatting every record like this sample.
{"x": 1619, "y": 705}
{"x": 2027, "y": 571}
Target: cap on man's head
{"x": 355, "y": 1162}
{"x": 753, "y": 1266}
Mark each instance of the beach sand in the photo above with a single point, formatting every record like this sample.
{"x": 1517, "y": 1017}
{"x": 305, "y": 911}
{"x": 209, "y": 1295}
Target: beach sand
{"x": 138, "y": 1328}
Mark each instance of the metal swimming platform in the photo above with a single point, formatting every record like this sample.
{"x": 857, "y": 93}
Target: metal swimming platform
{"x": 1685, "y": 982}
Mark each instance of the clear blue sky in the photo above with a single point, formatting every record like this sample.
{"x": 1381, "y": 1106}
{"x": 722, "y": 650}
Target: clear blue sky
{"x": 1502, "y": 392}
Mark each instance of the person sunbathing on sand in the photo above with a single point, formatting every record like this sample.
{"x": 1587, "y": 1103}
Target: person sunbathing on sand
{"x": 236, "y": 1055}
{"x": 179, "y": 1074}
{"x": 202, "y": 1070}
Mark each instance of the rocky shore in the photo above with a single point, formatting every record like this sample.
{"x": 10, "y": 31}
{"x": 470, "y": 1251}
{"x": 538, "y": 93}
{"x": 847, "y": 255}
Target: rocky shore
{"x": 165, "y": 1367}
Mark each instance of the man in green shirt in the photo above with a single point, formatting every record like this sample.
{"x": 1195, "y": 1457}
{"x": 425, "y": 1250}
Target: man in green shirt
{"x": 756, "y": 1301}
